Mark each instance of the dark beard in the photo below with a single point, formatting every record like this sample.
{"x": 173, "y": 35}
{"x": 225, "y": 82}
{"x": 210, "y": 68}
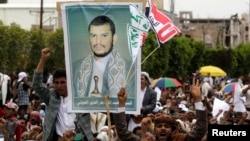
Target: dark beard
{"x": 104, "y": 54}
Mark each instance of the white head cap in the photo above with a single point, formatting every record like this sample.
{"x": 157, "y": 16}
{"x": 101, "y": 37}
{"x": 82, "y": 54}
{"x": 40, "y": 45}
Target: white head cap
{"x": 146, "y": 75}
{"x": 21, "y": 75}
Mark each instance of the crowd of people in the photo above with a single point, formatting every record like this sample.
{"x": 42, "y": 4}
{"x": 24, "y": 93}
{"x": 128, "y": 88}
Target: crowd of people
{"x": 38, "y": 110}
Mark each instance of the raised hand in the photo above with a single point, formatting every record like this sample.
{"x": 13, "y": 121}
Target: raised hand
{"x": 145, "y": 125}
{"x": 3, "y": 122}
{"x": 196, "y": 90}
{"x": 45, "y": 53}
{"x": 122, "y": 97}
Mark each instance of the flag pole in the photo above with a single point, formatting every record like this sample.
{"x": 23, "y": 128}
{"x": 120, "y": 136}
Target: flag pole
{"x": 106, "y": 101}
{"x": 150, "y": 54}
{"x": 142, "y": 63}
{"x": 126, "y": 80}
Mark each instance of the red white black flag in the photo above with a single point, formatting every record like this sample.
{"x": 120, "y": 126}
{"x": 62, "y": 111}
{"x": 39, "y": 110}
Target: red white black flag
{"x": 161, "y": 23}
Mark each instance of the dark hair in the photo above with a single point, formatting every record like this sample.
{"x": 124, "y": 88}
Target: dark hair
{"x": 163, "y": 118}
{"x": 59, "y": 73}
{"x": 238, "y": 113}
{"x": 246, "y": 80}
{"x": 23, "y": 118}
{"x": 136, "y": 129}
{"x": 209, "y": 114}
{"x": 43, "y": 107}
{"x": 101, "y": 20}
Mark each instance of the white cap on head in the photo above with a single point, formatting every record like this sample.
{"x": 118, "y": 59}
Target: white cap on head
{"x": 146, "y": 75}
{"x": 21, "y": 75}
{"x": 12, "y": 105}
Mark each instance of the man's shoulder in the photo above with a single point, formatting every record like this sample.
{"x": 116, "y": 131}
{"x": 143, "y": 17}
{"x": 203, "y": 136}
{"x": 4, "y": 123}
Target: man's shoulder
{"x": 151, "y": 90}
{"x": 77, "y": 62}
{"x": 76, "y": 65}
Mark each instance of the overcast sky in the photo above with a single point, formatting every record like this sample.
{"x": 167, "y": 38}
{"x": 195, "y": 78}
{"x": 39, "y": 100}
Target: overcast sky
{"x": 200, "y": 8}
{"x": 211, "y": 8}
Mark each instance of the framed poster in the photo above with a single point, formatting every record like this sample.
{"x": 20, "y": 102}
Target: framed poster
{"x": 98, "y": 56}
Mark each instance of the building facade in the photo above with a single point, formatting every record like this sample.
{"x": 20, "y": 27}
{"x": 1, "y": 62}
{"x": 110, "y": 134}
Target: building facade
{"x": 215, "y": 32}
{"x": 28, "y": 16}
{"x": 227, "y": 32}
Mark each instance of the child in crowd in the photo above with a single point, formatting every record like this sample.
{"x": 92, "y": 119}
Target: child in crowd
{"x": 9, "y": 124}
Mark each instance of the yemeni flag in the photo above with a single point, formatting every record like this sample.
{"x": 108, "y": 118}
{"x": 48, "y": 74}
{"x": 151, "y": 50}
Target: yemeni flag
{"x": 161, "y": 24}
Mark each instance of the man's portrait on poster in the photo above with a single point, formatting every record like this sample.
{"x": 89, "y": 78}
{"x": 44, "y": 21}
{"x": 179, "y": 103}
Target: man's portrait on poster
{"x": 102, "y": 72}
{"x": 98, "y": 57}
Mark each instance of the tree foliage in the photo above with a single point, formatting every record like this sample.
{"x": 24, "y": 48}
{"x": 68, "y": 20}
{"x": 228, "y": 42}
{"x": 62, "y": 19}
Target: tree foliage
{"x": 14, "y": 47}
{"x": 37, "y": 42}
{"x": 179, "y": 57}
{"x": 56, "y": 43}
